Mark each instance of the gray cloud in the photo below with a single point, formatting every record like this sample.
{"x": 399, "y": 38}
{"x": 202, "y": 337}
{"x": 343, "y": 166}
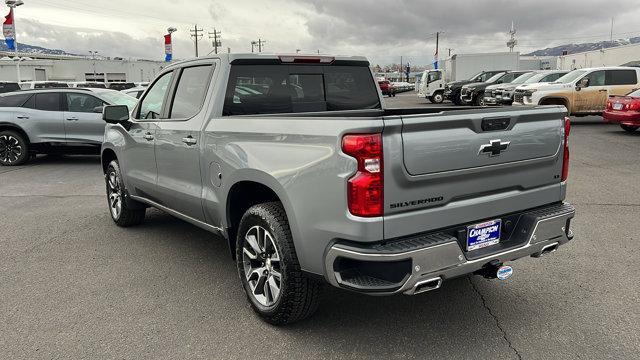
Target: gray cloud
{"x": 382, "y": 31}
{"x": 467, "y": 25}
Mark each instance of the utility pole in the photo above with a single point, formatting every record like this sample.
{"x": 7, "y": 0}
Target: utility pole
{"x": 449, "y": 49}
{"x": 196, "y": 34}
{"x": 217, "y": 41}
{"x": 401, "y": 64}
{"x": 435, "y": 57}
{"x": 259, "y": 44}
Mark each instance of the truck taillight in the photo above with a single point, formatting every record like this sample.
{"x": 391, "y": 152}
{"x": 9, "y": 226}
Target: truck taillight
{"x": 365, "y": 189}
{"x": 565, "y": 157}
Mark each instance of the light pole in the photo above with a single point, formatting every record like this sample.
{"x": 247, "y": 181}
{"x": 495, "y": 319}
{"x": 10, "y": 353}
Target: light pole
{"x": 93, "y": 57}
{"x": 13, "y": 4}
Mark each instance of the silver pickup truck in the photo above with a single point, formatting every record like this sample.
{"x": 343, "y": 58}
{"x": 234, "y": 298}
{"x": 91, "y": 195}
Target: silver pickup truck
{"x": 296, "y": 161}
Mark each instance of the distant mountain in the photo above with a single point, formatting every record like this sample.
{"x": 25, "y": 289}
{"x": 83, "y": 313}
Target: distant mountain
{"x": 578, "y": 48}
{"x": 33, "y": 49}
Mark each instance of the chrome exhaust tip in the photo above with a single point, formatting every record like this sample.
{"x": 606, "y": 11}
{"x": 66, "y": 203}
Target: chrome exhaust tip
{"x": 547, "y": 249}
{"x": 426, "y": 285}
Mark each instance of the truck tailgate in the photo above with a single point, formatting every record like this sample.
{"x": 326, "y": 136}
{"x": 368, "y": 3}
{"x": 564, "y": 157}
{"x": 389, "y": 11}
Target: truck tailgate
{"x": 464, "y": 166}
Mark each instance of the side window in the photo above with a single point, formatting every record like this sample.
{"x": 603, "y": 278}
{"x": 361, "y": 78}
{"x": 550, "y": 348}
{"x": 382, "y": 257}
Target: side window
{"x": 621, "y": 77}
{"x": 190, "y": 92}
{"x": 14, "y": 100}
{"x": 596, "y": 78}
{"x": 151, "y": 105}
{"x": 44, "y": 101}
{"x": 82, "y": 102}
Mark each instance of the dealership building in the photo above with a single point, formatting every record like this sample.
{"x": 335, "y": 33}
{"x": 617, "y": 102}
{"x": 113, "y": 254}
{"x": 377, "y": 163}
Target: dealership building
{"x": 42, "y": 67}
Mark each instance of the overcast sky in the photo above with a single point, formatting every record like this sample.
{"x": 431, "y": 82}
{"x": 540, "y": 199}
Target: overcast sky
{"x": 380, "y": 30}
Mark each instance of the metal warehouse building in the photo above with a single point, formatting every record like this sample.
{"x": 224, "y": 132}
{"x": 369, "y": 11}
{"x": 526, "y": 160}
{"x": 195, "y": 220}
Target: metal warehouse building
{"x": 615, "y": 56}
{"x": 35, "y": 67}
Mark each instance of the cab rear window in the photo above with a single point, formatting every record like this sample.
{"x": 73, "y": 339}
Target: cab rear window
{"x": 273, "y": 89}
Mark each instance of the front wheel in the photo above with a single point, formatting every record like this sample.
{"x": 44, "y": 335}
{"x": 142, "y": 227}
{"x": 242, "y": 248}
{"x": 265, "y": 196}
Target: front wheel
{"x": 275, "y": 286}
{"x": 479, "y": 101}
{"x": 121, "y": 209}
{"x": 629, "y": 128}
{"x": 437, "y": 98}
{"x": 14, "y": 149}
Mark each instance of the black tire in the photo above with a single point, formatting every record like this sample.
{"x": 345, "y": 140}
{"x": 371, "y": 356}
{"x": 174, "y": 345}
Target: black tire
{"x": 629, "y": 128}
{"x": 437, "y": 98}
{"x": 298, "y": 295}
{"x": 479, "y": 99}
{"x": 455, "y": 98}
{"x": 14, "y": 148}
{"x": 130, "y": 212}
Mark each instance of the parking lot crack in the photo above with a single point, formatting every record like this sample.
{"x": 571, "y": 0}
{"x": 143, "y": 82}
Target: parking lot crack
{"x": 495, "y": 318}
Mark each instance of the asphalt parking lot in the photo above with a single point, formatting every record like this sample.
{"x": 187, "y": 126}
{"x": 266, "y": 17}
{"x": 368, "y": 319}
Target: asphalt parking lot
{"x": 73, "y": 285}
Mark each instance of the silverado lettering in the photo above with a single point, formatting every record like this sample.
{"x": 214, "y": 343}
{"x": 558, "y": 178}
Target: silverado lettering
{"x": 417, "y": 202}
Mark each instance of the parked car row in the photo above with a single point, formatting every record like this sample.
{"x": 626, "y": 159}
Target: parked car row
{"x": 610, "y": 91}
{"x": 8, "y": 86}
{"x": 392, "y": 88}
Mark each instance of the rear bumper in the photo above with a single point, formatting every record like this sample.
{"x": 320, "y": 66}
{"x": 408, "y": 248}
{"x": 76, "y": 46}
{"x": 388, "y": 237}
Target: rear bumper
{"x": 421, "y": 262}
{"x": 624, "y": 118}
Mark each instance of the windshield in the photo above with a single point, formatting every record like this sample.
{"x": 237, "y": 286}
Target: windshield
{"x": 495, "y": 78}
{"x": 476, "y": 77}
{"x": 535, "y": 78}
{"x": 118, "y": 98}
{"x": 570, "y": 77}
{"x": 522, "y": 78}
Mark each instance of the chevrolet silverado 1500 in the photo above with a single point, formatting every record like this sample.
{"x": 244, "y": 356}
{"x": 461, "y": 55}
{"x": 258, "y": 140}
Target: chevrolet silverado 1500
{"x": 297, "y": 162}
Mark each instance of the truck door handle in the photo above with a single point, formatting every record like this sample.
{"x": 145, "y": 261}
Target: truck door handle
{"x": 602, "y": 90}
{"x": 22, "y": 117}
{"x": 148, "y": 136}
{"x": 189, "y": 140}
{"x": 72, "y": 119}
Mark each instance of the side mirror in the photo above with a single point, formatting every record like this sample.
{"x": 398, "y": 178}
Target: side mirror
{"x": 98, "y": 109}
{"x": 583, "y": 83}
{"x": 115, "y": 114}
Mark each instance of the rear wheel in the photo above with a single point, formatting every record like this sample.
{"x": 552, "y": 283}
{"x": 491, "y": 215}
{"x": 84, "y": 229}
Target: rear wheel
{"x": 121, "y": 209}
{"x": 629, "y": 128}
{"x": 275, "y": 286}
{"x": 14, "y": 148}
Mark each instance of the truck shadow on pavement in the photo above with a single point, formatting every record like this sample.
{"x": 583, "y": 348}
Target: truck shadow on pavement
{"x": 454, "y": 318}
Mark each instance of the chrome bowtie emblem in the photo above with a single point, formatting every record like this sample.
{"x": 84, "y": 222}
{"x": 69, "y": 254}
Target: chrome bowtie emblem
{"x": 494, "y": 148}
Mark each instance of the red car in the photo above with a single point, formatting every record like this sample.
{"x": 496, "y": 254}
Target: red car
{"x": 387, "y": 88}
{"x": 624, "y": 110}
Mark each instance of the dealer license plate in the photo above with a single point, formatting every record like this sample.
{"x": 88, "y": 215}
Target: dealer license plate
{"x": 484, "y": 234}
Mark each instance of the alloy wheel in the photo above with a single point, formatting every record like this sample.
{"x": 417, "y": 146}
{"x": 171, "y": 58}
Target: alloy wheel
{"x": 115, "y": 194}
{"x": 262, "y": 266}
{"x": 10, "y": 149}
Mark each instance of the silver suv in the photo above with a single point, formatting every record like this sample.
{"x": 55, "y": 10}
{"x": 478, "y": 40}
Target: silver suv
{"x": 53, "y": 121}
